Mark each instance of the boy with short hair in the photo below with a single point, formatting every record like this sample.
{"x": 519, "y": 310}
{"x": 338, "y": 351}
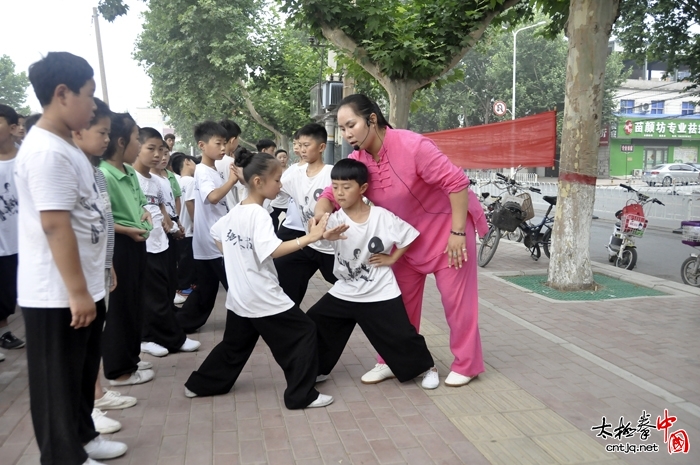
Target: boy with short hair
{"x": 223, "y": 166}
{"x": 62, "y": 242}
{"x": 161, "y": 332}
{"x": 8, "y": 227}
{"x": 366, "y": 292}
{"x": 266, "y": 146}
{"x": 304, "y": 185}
{"x": 210, "y": 205}
{"x": 170, "y": 141}
{"x": 292, "y": 226}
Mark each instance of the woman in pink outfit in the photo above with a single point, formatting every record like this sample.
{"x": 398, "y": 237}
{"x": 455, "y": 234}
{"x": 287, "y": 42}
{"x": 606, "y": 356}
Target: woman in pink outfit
{"x": 409, "y": 176}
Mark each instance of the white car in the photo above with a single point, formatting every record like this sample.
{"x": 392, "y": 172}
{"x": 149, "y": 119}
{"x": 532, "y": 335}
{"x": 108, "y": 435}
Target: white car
{"x": 671, "y": 174}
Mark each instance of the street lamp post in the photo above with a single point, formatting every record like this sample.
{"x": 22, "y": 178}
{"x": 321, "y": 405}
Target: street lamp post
{"x": 515, "y": 48}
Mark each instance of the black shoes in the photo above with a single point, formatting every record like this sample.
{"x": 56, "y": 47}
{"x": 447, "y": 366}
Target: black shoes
{"x": 10, "y": 341}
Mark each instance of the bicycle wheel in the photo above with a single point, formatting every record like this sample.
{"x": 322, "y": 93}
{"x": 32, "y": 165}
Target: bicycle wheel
{"x": 516, "y": 235}
{"x": 628, "y": 259}
{"x": 547, "y": 242}
{"x": 488, "y": 246}
{"x": 689, "y": 273}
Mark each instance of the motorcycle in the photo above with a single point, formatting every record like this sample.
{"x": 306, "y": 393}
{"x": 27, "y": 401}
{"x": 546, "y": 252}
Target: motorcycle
{"x": 690, "y": 270}
{"x": 631, "y": 225}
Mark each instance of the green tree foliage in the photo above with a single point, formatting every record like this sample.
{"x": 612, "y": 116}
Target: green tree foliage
{"x": 215, "y": 59}
{"x": 13, "y": 86}
{"x": 487, "y": 72}
{"x": 404, "y": 44}
{"x": 662, "y": 30}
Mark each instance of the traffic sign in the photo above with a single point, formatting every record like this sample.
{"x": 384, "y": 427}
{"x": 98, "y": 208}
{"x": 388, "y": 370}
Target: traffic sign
{"x": 499, "y": 108}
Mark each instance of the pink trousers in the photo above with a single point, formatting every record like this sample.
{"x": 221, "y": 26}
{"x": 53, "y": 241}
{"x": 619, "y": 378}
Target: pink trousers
{"x": 459, "y": 294}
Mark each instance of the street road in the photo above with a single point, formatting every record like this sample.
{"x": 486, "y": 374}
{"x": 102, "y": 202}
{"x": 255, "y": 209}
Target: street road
{"x": 660, "y": 252}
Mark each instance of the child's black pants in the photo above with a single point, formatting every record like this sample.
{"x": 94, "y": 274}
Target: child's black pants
{"x": 185, "y": 264}
{"x": 62, "y": 364}
{"x": 296, "y": 269}
{"x": 121, "y": 340}
{"x": 198, "y": 306}
{"x": 8, "y": 285}
{"x": 291, "y": 337}
{"x": 385, "y": 324}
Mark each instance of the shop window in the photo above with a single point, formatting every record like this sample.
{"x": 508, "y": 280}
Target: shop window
{"x": 626, "y": 106}
{"x": 657, "y": 107}
{"x": 687, "y": 108}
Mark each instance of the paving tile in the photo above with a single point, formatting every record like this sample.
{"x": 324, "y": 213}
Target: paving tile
{"x": 417, "y": 456}
{"x": 570, "y": 448}
{"x": 343, "y": 421}
{"x": 386, "y": 451}
{"x": 324, "y": 433}
{"x": 252, "y": 451}
{"x": 367, "y": 458}
{"x": 510, "y": 401}
{"x": 458, "y": 405}
{"x": 333, "y": 453}
{"x": 354, "y": 441}
{"x": 281, "y": 457}
{"x": 492, "y": 381}
{"x": 304, "y": 448}
{"x": 225, "y": 442}
{"x": 173, "y": 446}
{"x": 539, "y": 422}
{"x": 514, "y": 451}
{"x": 276, "y": 438}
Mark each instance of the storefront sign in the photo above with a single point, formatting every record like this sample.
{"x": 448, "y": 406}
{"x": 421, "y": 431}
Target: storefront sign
{"x": 661, "y": 128}
{"x": 627, "y": 148}
{"x": 604, "y": 136}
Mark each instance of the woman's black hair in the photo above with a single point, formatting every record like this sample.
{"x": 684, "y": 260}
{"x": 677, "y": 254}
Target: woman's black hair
{"x": 364, "y": 107}
{"x": 255, "y": 164}
{"x": 122, "y": 126}
{"x": 348, "y": 169}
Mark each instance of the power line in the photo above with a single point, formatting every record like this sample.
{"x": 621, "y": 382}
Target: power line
{"x": 646, "y": 90}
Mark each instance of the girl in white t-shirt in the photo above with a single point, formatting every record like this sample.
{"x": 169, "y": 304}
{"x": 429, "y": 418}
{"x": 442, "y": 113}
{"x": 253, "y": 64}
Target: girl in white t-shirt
{"x": 256, "y": 303}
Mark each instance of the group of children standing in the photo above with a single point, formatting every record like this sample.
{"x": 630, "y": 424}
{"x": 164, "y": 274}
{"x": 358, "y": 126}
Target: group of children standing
{"x": 127, "y": 230}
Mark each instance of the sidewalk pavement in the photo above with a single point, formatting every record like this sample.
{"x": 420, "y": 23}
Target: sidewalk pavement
{"x": 553, "y": 371}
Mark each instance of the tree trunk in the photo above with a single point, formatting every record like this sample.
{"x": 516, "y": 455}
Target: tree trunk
{"x": 588, "y": 30}
{"x": 400, "y": 97}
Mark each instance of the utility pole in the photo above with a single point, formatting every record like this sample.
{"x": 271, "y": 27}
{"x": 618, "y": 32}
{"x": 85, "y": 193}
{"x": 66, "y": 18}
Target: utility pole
{"x": 103, "y": 78}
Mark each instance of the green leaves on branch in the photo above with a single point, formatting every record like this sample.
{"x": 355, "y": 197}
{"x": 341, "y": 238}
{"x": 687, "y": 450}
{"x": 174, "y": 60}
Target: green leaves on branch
{"x": 13, "y": 86}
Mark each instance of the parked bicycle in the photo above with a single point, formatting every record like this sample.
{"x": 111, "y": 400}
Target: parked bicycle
{"x": 621, "y": 247}
{"x": 512, "y": 212}
{"x": 690, "y": 269}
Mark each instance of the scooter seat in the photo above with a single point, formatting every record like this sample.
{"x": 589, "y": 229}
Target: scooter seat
{"x": 550, "y": 199}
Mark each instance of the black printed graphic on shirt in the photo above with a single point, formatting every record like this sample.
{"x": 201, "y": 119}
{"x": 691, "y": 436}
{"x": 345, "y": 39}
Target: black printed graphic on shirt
{"x": 91, "y": 205}
{"x": 8, "y": 206}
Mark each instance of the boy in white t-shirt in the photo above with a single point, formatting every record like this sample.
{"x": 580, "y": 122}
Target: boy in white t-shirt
{"x": 223, "y": 166}
{"x": 256, "y": 304}
{"x": 304, "y": 185}
{"x": 366, "y": 292}
{"x": 161, "y": 332}
{"x": 62, "y": 245}
{"x": 292, "y": 226}
{"x": 209, "y": 205}
{"x": 8, "y": 227}
{"x": 184, "y": 166}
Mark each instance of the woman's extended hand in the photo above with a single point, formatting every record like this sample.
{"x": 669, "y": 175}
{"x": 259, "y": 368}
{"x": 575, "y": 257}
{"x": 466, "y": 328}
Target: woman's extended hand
{"x": 456, "y": 250}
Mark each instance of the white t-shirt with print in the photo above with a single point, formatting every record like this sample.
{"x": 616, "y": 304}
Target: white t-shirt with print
{"x": 305, "y": 191}
{"x": 157, "y": 241}
{"x": 52, "y": 174}
{"x": 358, "y": 281}
{"x": 169, "y": 199}
{"x": 248, "y": 240}
{"x": 292, "y": 220}
{"x": 8, "y": 208}
{"x": 206, "y": 179}
{"x": 187, "y": 188}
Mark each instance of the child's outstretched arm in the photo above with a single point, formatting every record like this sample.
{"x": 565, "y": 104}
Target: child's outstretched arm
{"x": 316, "y": 230}
{"x": 64, "y": 249}
{"x": 219, "y": 193}
{"x": 382, "y": 259}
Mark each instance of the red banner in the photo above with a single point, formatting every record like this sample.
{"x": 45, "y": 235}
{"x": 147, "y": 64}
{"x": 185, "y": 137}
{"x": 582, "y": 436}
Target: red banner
{"x": 529, "y": 142}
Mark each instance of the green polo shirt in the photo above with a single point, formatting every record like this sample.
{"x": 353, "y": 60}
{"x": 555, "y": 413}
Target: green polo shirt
{"x": 126, "y": 196}
{"x": 174, "y": 185}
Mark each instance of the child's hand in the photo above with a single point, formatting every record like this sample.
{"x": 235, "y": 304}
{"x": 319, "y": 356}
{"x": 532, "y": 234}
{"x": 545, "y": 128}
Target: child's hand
{"x": 167, "y": 223}
{"x": 82, "y": 309}
{"x": 147, "y": 217}
{"x": 180, "y": 233}
{"x": 112, "y": 280}
{"x": 136, "y": 234}
{"x": 336, "y": 233}
{"x": 316, "y": 230}
{"x": 381, "y": 259}
{"x": 232, "y": 174}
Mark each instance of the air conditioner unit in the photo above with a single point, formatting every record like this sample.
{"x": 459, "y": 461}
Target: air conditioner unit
{"x": 644, "y": 108}
{"x": 637, "y": 173}
{"x": 325, "y": 98}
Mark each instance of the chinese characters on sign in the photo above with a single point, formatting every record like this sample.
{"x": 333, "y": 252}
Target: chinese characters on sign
{"x": 675, "y": 129}
{"x": 676, "y": 441}
{"x": 626, "y": 148}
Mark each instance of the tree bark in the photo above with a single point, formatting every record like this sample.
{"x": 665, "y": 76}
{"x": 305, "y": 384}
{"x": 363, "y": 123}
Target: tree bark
{"x": 400, "y": 97}
{"x": 588, "y": 30}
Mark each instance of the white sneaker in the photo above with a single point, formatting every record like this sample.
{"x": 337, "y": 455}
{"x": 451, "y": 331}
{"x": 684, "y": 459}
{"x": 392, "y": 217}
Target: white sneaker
{"x": 431, "y": 380}
{"x": 179, "y": 299}
{"x": 102, "y": 449}
{"x": 2, "y": 357}
{"x": 190, "y": 345}
{"x": 113, "y": 400}
{"x": 89, "y": 461}
{"x": 104, "y": 424}
{"x": 143, "y": 365}
{"x": 379, "y": 373}
{"x": 457, "y": 380}
{"x": 322, "y": 378}
{"x": 137, "y": 377}
{"x": 154, "y": 349}
{"x": 321, "y": 401}
{"x": 189, "y": 393}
